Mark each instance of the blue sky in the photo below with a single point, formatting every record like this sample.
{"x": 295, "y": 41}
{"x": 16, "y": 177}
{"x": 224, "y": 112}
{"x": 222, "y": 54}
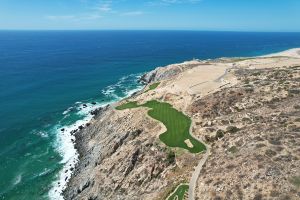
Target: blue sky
{"x": 226, "y": 15}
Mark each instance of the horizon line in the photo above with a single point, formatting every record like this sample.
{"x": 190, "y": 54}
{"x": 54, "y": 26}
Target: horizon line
{"x": 190, "y": 30}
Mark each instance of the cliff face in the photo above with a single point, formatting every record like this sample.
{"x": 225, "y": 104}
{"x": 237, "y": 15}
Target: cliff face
{"x": 167, "y": 72}
{"x": 121, "y": 156}
{"x": 246, "y": 110}
{"x": 119, "y": 153}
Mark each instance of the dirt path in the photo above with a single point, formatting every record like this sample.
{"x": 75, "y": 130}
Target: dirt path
{"x": 196, "y": 173}
{"x": 197, "y": 84}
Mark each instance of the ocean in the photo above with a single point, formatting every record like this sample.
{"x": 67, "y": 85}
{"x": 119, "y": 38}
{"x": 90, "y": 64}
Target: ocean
{"x": 51, "y": 80}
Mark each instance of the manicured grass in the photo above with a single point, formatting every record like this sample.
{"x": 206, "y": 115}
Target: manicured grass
{"x": 127, "y": 105}
{"x": 177, "y": 124}
{"x": 153, "y": 86}
{"x": 179, "y": 193}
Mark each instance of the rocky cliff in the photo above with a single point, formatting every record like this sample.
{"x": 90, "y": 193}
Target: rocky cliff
{"x": 246, "y": 110}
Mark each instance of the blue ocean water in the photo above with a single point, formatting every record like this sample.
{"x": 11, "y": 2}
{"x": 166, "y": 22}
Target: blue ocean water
{"x": 46, "y": 77}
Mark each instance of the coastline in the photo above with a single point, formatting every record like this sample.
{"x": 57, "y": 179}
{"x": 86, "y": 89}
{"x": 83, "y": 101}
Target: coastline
{"x": 33, "y": 116}
{"x": 288, "y": 53}
{"x": 67, "y": 142}
{"x": 181, "y": 73}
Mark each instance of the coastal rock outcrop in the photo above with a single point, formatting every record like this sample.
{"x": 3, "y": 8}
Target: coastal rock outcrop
{"x": 118, "y": 153}
{"x": 168, "y": 72}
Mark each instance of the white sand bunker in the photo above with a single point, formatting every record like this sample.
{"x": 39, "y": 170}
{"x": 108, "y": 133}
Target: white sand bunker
{"x": 188, "y": 143}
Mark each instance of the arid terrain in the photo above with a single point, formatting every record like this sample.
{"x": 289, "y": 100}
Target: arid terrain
{"x": 245, "y": 110}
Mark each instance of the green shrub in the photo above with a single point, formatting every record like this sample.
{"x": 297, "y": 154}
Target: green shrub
{"x": 219, "y": 134}
{"x": 294, "y": 91}
{"x": 232, "y": 129}
{"x": 246, "y": 81}
{"x": 297, "y": 120}
{"x": 256, "y": 74}
{"x": 233, "y": 149}
{"x": 171, "y": 157}
{"x": 295, "y": 181}
{"x": 297, "y": 107}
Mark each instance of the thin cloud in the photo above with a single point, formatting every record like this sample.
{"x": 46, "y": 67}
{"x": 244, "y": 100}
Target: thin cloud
{"x": 73, "y": 17}
{"x": 92, "y": 17}
{"x": 103, "y": 6}
{"x": 60, "y": 17}
{"x": 171, "y": 2}
{"x": 98, "y": 11}
{"x": 132, "y": 13}
{"x": 180, "y": 1}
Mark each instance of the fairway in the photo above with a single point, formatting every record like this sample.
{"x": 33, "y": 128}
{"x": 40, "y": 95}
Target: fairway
{"x": 176, "y": 122}
{"x": 153, "y": 86}
{"x": 179, "y": 193}
{"x": 127, "y": 105}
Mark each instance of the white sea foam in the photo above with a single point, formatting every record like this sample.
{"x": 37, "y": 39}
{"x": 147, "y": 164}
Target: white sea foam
{"x": 28, "y": 154}
{"x": 66, "y": 148}
{"x": 18, "y": 179}
{"x": 131, "y": 92}
{"x": 67, "y": 111}
{"x": 42, "y": 134}
{"x": 45, "y": 172}
{"x": 124, "y": 86}
{"x": 65, "y": 140}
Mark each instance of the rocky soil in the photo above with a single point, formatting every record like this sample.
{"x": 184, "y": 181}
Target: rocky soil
{"x": 122, "y": 158}
{"x": 254, "y": 130}
{"x": 252, "y": 126}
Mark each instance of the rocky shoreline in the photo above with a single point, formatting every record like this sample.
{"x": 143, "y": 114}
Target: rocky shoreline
{"x": 84, "y": 135}
{"x": 121, "y": 156}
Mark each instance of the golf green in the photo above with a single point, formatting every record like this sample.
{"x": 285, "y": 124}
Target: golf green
{"x": 177, "y": 124}
{"x": 179, "y": 193}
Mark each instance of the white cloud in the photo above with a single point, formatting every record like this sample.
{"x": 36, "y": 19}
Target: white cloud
{"x": 103, "y": 8}
{"x": 132, "y": 13}
{"x": 73, "y": 17}
{"x": 171, "y": 2}
{"x": 99, "y": 10}
{"x": 92, "y": 17}
{"x": 60, "y": 17}
{"x": 180, "y": 1}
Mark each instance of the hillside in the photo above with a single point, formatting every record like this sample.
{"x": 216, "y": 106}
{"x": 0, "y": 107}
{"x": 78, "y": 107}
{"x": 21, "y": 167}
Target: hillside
{"x": 245, "y": 111}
